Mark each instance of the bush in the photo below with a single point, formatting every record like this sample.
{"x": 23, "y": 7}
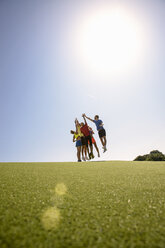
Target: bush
{"x": 154, "y": 155}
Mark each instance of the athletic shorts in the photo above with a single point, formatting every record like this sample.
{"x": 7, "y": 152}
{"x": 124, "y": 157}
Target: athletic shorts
{"x": 78, "y": 143}
{"x": 93, "y": 141}
{"x": 83, "y": 141}
{"x": 102, "y": 133}
{"x": 88, "y": 139}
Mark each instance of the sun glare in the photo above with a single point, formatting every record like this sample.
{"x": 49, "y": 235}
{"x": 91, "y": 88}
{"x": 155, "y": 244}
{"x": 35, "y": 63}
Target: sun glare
{"x": 60, "y": 189}
{"x": 110, "y": 42}
{"x": 51, "y": 218}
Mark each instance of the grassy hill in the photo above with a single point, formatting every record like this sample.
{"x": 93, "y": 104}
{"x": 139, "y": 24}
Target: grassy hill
{"x": 92, "y": 204}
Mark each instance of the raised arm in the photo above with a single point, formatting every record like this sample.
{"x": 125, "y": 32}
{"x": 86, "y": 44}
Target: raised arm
{"x": 88, "y": 118}
{"x": 76, "y": 124}
{"x": 83, "y": 115}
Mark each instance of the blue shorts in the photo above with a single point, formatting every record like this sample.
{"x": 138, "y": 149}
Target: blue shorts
{"x": 78, "y": 143}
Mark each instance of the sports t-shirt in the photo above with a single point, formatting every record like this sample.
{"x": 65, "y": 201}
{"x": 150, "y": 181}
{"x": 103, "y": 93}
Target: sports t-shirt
{"x": 85, "y": 130}
{"x": 98, "y": 123}
{"x": 79, "y": 131}
{"x": 76, "y": 136}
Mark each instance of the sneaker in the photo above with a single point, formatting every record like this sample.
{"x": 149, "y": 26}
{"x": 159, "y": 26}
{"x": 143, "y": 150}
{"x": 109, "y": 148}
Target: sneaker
{"x": 79, "y": 160}
{"x": 83, "y": 158}
{"x": 105, "y": 149}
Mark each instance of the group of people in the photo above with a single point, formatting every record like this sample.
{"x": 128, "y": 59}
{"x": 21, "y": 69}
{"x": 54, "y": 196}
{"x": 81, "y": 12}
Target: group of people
{"x": 83, "y": 136}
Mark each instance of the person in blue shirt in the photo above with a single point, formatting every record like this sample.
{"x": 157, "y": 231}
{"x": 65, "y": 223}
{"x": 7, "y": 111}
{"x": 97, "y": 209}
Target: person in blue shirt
{"x": 101, "y": 131}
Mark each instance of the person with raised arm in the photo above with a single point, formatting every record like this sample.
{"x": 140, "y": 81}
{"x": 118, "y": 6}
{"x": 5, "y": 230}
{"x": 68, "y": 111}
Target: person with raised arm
{"x": 85, "y": 130}
{"x": 101, "y": 131}
{"x": 77, "y": 138}
{"x": 83, "y": 141}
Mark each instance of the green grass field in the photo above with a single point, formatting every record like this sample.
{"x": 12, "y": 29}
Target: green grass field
{"x": 93, "y": 204}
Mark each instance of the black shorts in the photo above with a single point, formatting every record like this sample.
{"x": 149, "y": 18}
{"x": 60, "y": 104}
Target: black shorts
{"x": 102, "y": 133}
{"x": 88, "y": 138}
{"x": 83, "y": 141}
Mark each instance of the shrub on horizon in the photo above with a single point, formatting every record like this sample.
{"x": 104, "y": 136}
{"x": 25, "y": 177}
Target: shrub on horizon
{"x": 154, "y": 155}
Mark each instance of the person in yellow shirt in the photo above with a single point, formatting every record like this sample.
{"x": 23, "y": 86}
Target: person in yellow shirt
{"x": 77, "y": 138}
{"x": 83, "y": 141}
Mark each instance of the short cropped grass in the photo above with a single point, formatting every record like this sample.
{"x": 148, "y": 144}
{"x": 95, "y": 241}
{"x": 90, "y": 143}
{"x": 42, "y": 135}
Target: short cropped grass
{"x": 93, "y": 204}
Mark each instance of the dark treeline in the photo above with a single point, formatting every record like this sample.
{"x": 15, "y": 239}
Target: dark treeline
{"x": 152, "y": 156}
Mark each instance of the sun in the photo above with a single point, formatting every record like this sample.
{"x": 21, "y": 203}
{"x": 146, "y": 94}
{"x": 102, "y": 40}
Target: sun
{"x": 110, "y": 41}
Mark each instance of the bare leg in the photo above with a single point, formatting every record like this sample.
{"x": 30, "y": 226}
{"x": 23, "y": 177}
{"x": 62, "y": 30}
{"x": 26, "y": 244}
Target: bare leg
{"x": 102, "y": 141}
{"x": 83, "y": 150}
{"x": 87, "y": 150}
{"x": 78, "y": 153}
{"x": 91, "y": 148}
{"x": 105, "y": 140}
{"x": 97, "y": 149}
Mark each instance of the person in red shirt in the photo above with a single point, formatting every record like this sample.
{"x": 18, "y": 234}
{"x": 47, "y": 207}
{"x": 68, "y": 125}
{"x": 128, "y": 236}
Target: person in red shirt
{"x": 85, "y": 130}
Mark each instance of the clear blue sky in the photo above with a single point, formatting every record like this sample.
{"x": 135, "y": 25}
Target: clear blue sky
{"x": 44, "y": 85}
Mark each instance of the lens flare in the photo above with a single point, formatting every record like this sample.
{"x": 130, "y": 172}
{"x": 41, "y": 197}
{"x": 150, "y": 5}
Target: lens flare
{"x": 61, "y": 189}
{"x": 51, "y": 218}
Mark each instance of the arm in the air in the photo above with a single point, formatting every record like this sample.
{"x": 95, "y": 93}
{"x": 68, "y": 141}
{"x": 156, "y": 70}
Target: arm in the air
{"x": 88, "y": 118}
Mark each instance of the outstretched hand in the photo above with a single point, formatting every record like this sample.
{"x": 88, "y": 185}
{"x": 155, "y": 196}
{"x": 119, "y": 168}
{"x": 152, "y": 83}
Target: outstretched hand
{"x": 83, "y": 115}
